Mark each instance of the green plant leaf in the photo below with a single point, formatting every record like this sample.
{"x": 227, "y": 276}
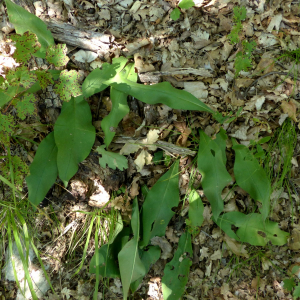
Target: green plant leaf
{"x": 108, "y": 256}
{"x": 177, "y": 270}
{"x": 119, "y": 109}
{"x": 296, "y": 293}
{"x": 242, "y": 63}
{"x": 157, "y": 210}
{"x": 251, "y": 177}
{"x": 289, "y": 284}
{"x": 239, "y": 14}
{"x": 56, "y": 55}
{"x": 252, "y": 229}
{"x": 68, "y": 85}
{"x": 175, "y": 14}
{"x": 74, "y": 136}
{"x": 212, "y": 166}
{"x": 131, "y": 266}
{"x": 94, "y": 82}
{"x": 113, "y": 160}
{"x": 162, "y": 92}
{"x": 186, "y": 4}
{"x": 24, "y": 21}
{"x": 26, "y": 45}
{"x": 21, "y": 77}
{"x": 196, "y": 209}
{"x": 43, "y": 170}
{"x": 26, "y": 106}
{"x": 148, "y": 257}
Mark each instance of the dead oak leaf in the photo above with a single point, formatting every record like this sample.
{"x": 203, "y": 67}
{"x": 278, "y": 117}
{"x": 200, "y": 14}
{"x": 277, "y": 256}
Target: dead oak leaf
{"x": 290, "y": 109}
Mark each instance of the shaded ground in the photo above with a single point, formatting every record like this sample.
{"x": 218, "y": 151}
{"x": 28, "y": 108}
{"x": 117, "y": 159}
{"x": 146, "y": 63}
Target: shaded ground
{"x": 192, "y": 53}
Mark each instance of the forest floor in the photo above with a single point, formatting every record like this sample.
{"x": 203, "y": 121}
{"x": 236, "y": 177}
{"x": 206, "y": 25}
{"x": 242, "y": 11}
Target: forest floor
{"x": 193, "y": 53}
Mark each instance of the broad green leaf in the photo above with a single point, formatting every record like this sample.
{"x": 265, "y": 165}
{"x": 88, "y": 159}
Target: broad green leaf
{"x": 148, "y": 257}
{"x": 212, "y": 166}
{"x": 175, "y": 14}
{"x": 94, "y": 82}
{"x": 74, "y": 136}
{"x": 177, "y": 270}
{"x": 131, "y": 266}
{"x": 242, "y": 63}
{"x": 68, "y": 85}
{"x": 56, "y": 55}
{"x": 24, "y": 21}
{"x": 26, "y": 45}
{"x": 251, "y": 177}
{"x": 43, "y": 170}
{"x": 157, "y": 208}
{"x": 196, "y": 209}
{"x": 186, "y": 4}
{"x": 252, "y": 229}
{"x": 108, "y": 256}
{"x": 119, "y": 109}
{"x": 113, "y": 160}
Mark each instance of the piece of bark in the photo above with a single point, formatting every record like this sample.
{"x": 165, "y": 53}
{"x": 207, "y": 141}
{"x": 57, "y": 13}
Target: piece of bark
{"x": 85, "y": 39}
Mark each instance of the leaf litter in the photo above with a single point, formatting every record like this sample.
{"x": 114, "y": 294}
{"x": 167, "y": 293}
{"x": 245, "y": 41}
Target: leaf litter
{"x": 194, "y": 54}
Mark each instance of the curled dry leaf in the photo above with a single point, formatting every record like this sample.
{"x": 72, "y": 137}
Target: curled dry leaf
{"x": 290, "y": 109}
{"x": 134, "y": 190}
{"x": 185, "y": 132}
{"x": 236, "y": 247}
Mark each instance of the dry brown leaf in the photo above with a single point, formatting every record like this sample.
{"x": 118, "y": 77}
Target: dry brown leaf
{"x": 134, "y": 190}
{"x": 290, "y": 109}
{"x": 185, "y": 132}
{"x": 236, "y": 247}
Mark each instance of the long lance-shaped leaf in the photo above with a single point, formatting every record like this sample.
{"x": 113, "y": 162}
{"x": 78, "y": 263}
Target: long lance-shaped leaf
{"x": 25, "y": 21}
{"x": 212, "y": 166}
{"x": 148, "y": 257}
{"x": 119, "y": 108}
{"x": 74, "y": 136}
{"x": 94, "y": 82}
{"x": 252, "y": 229}
{"x": 43, "y": 170}
{"x": 131, "y": 266}
{"x": 157, "y": 208}
{"x": 177, "y": 270}
{"x": 162, "y": 92}
{"x": 251, "y": 177}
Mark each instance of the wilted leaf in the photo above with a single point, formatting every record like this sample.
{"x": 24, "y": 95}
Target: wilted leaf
{"x": 113, "y": 160}
{"x": 157, "y": 211}
{"x": 177, "y": 270}
{"x": 252, "y": 229}
{"x": 290, "y": 109}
